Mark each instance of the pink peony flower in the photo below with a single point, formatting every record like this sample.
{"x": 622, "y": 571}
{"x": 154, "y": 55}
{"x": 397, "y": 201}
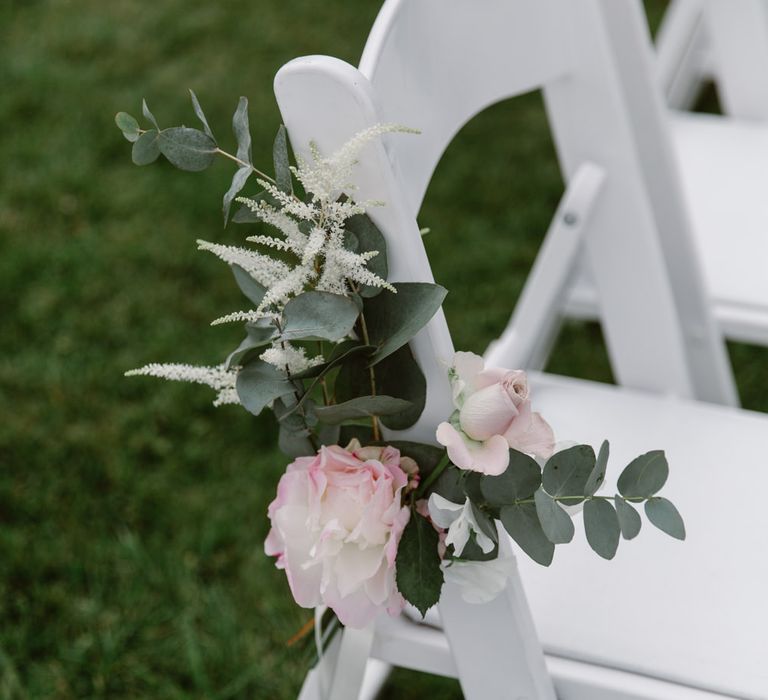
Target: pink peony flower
{"x": 336, "y": 525}
{"x": 493, "y": 414}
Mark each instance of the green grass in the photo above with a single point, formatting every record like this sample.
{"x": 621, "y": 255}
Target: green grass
{"x": 132, "y": 513}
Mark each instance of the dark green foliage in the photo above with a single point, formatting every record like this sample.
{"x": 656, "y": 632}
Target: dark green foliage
{"x": 419, "y": 577}
{"x": 520, "y": 480}
{"x": 393, "y": 319}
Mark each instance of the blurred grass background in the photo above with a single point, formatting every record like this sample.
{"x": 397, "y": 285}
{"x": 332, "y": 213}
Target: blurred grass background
{"x": 132, "y": 513}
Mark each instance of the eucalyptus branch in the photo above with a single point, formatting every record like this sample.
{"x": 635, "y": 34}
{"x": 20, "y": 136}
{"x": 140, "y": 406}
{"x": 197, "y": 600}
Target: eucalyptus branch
{"x": 243, "y": 164}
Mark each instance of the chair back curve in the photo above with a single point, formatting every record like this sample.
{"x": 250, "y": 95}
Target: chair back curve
{"x": 434, "y": 64}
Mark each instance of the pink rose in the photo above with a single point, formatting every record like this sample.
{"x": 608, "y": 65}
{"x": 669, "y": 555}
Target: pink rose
{"x": 493, "y": 414}
{"x": 336, "y": 525}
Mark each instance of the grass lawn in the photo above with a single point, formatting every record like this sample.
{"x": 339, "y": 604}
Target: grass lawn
{"x": 132, "y": 513}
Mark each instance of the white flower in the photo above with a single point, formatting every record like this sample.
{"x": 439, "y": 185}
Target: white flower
{"x": 480, "y": 581}
{"x": 460, "y": 522}
{"x": 288, "y": 357}
{"x": 219, "y": 378}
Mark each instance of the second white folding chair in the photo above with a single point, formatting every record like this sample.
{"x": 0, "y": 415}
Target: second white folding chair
{"x": 664, "y": 620}
{"x": 722, "y": 161}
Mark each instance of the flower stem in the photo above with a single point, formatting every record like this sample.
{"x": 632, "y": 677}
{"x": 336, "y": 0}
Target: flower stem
{"x": 436, "y": 472}
{"x": 371, "y": 375}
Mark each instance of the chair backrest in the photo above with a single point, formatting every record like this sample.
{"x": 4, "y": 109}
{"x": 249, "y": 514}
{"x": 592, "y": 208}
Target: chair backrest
{"x": 721, "y": 40}
{"x": 433, "y": 64}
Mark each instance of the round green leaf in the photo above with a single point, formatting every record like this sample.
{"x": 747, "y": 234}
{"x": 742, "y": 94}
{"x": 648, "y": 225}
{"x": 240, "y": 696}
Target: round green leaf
{"x": 318, "y": 316}
{"x": 644, "y": 476}
{"x": 393, "y": 319}
{"x": 567, "y": 473}
{"x": 259, "y": 384}
{"x": 602, "y": 527}
{"x": 556, "y": 523}
{"x": 128, "y": 125}
{"x": 361, "y": 407}
{"x": 186, "y": 148}
{"x": 523, "y": 525}
{"x": 664, "y": 516}
{"x": 145, "y": 149}
{"x": 519, "y": 481}
{"x": 629, "y": 519}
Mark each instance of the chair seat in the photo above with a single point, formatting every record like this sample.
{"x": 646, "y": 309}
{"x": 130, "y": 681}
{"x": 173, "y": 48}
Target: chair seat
{"x": 693, "y": 612}
{"x": 724, "y": 172}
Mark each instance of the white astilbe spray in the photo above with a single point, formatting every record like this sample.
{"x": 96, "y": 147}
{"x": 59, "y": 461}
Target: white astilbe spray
{"x": 265, "y": 270}
{"x": 327, "y": 177}
{"x": 322, "y": 256}
{"x": 286, "y": 356}
{"x": 219, "y": 378}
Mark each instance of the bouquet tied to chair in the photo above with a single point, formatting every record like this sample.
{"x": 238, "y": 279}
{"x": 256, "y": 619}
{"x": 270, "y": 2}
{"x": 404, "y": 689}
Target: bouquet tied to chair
{"x": 362, "y": 523}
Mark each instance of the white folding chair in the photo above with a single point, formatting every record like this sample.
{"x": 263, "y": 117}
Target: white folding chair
{"x": 715, "y": 40}
{"x": 722, "y": 160}
{"x": 664, "y": 620}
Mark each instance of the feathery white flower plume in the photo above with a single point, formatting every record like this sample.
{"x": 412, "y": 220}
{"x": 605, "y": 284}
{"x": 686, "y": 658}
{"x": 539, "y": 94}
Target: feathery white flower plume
{"x": 219, "y": 378}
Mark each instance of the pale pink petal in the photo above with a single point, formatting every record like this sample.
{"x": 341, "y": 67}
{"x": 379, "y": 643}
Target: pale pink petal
{"x": 530, "y": 433}
{"x": 487, "y": 412}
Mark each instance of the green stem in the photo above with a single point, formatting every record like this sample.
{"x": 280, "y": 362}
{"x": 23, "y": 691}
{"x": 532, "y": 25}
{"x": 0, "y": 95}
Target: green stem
{"x": 581, "y": 498}
{"x": 243, "y": 164}
{"x": 371, "y": 374}
{"x": 436, "y": 472}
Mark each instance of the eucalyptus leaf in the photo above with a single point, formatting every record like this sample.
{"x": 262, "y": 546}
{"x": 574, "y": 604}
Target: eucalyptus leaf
{"x": 450, "y": 485}
{"x": 238, "y": 182}
{"x": 399, "y": 375}
{"x": 258, "y": 335}
{"x": 602, "y": 527}
{"x": 128, "y": 125}
{"x": 283, "y": 178}
{"x": 393, "y": 319}
{"x": 523, "y": 525}
{"x": 293, "y": 437}
{"x": 629, "y": 519}
{"x": 368, "y": 237}
{"x": 644, "y": 476}
{"x": 556, "y": 523}
{"x": 259, "y": 384}
{"x": 361, "y": 407}
{"x": 418, "y": 573}
{"x": 188, "y": 149}
{"x": 248, "y": 286}
{"x": 146, "y": 149}
{"x": 597, "y": 476}
{"x": 148, "y": 115}
{"x": 519, "y": 481}
{"x": 567, "y": 472}
{"x": 201, "y": 115}
{"x": 665, "y": 516}
{"x": 242, "y": 130}
{"x": 318, "y": 316}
